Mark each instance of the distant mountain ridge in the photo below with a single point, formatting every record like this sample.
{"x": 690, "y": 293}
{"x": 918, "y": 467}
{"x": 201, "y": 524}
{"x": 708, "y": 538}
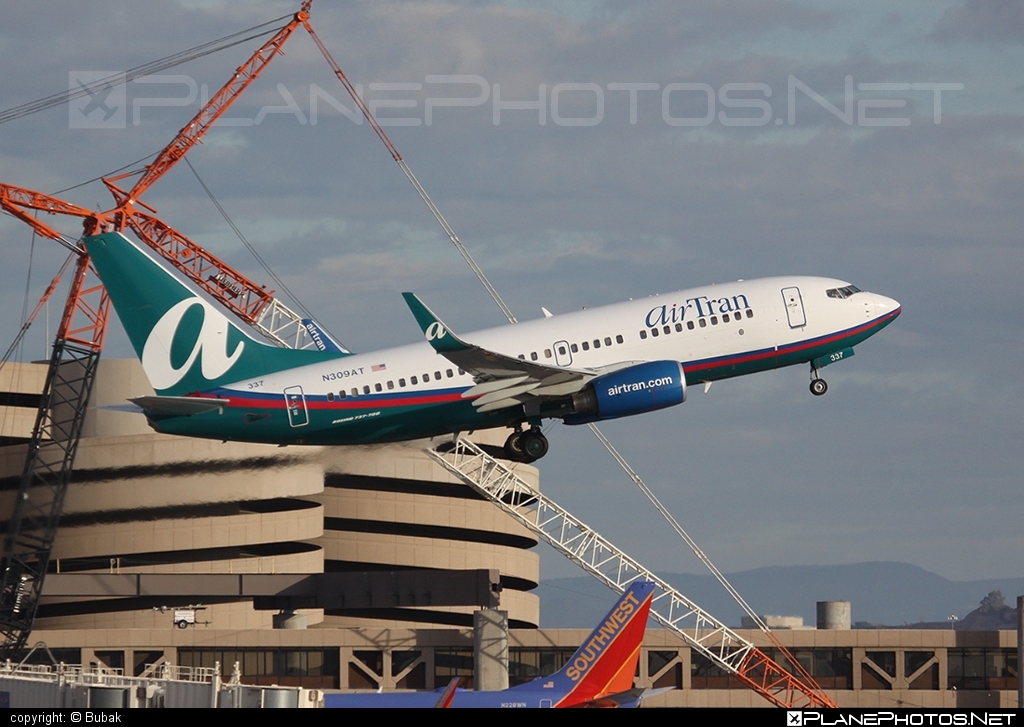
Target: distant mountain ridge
{"x": 881, "y": 593}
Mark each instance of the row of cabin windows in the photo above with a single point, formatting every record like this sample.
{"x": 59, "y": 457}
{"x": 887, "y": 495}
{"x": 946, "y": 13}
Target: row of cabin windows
{"x": 597, "y": 343}
{"x": 702, "y": 322}
{"x": 413, "y": 381}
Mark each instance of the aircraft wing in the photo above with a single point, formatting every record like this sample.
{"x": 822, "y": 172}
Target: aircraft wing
{"x": 501, "y": 380}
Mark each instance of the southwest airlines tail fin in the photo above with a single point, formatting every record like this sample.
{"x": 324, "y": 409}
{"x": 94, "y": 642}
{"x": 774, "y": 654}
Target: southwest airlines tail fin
{"x": 599, "y": 674}
{"x": 606, "y": 661}
{"x": 186, "y": 344}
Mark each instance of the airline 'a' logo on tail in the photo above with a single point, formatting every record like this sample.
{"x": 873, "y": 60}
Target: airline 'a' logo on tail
{"x": 435, "y": 331}
{"x": 210, "y": 346}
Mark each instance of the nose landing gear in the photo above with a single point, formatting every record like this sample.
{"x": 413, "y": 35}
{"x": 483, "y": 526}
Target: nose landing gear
{"x": 528, "y": 446}
{"x": 818, "y": 385}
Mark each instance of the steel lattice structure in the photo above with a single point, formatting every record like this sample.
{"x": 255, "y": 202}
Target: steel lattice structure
{"x": 51, "y": 454}
{"x": 595, "y": 554}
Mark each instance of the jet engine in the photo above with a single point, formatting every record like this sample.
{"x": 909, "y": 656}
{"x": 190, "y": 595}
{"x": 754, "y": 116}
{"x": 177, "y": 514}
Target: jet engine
{"x": 632, "y": 390}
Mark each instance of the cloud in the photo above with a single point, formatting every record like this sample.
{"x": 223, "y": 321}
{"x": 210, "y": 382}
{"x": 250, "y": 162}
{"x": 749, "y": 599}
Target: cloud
{"x": 982, "y": 21}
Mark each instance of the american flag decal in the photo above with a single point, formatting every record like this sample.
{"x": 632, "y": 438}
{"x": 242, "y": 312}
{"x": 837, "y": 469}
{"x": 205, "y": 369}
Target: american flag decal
{"x": 378, "y": 367}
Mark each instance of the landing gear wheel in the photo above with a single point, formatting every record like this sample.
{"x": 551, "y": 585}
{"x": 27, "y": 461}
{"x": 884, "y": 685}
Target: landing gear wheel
{"x": 818, "y": 387}
{"x": 535, "y": 445}
{"x": 514, "y": 447}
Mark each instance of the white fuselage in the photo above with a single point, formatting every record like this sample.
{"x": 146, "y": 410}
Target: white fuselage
{"x": 730, "y": 321}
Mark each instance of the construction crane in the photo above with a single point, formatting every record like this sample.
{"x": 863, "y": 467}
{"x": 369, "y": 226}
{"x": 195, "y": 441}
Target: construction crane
{"x": 585, "y": 547}
{"x": 33, "y": 525}
{"x": 51, "y": 455}
{"x": 253, "y": 303}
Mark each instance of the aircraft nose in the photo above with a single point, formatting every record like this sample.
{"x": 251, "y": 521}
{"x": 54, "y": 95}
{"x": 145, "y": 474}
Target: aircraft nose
{"x": 885, "y": 305}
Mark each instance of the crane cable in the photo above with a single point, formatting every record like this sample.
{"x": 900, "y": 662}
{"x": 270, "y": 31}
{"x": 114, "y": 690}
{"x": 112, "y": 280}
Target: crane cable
{"x": 478, "y": 271}
{"x": 252, "y": 250}
{"x": 146, "y": 69}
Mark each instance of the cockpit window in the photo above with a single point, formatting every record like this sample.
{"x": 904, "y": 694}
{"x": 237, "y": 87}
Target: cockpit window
{"x": 842, "y": 292}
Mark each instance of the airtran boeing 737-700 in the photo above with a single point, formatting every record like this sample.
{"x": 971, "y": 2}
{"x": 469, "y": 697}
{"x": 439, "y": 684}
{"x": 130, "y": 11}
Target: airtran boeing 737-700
{"x": 214, "y": 379}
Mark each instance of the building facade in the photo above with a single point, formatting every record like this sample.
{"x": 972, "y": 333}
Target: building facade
{"x": 142, "y": 502}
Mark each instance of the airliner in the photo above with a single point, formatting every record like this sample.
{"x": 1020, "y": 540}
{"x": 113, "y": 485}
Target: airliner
{"x": 599, "y": 674}
{"x": 215, "y": 379}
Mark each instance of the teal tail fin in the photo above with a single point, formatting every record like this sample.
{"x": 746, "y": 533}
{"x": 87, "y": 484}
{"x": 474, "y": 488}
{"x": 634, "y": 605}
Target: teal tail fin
{"x": 185, "y": 343}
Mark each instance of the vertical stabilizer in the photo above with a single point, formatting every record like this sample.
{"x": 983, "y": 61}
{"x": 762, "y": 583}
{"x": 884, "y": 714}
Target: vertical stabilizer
{"x": 606, "y": 660}
{"x": 186, "y": 344}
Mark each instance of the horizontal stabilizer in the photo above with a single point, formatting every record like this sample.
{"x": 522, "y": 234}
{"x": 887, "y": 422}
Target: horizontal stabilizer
{"x": 178, "y": 406}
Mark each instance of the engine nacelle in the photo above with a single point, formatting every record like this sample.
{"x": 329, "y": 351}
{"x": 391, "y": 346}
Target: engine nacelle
{"x": 633, "y": 390}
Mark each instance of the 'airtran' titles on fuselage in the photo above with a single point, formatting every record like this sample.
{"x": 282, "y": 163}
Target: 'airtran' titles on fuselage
{"x": 696, "y": 307}
{"x": 588, "y": 653}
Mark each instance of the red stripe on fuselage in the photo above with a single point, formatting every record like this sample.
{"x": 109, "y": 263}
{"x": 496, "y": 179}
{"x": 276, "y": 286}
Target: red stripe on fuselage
{"x": 276, "y": 401}
{"x": 714, "y": 363}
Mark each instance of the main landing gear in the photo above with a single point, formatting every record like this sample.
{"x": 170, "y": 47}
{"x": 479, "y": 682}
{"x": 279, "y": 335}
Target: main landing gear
{"x": 528, "y": 446}
{"x": 818, "y": 385}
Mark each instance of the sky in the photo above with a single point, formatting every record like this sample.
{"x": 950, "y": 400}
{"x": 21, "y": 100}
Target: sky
{"x": 590, "y": 152}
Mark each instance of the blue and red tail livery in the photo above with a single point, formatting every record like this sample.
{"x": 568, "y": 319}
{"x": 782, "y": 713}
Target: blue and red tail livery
{"x": 599, "y": 674}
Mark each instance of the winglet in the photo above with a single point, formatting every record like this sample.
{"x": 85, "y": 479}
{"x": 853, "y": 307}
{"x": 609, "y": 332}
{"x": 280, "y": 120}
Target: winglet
{"x": 437, "y": 334}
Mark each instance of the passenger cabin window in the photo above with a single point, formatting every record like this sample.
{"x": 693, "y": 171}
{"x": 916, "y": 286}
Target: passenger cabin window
{"x": 703, "y": 323}
{"x": 366, "y": 389}
{"x": 655, "y": 332}
{"x": 401, "y": 383}
{"x": 714, "y": 320}
{"x": 750, "y": 313}
{"x": 725, "y": 318}
{"x": 643, "y": 335}
{"x": 330, "y": 396}
{"x": 437, "y": 376}
{"x": 547, "y": 353}
{"x": 574, "y": 348}
{"x": 533, "y": 355}
{"x": 618, "y": 338}
{"x": 341, "y": 394}
{"x": 413, "y": 380}
{"x": 668, "y": 330}
{"x": 597, "y": 343}
{"x": 561, "y": 350}
{"x": 586, "y": 346}
{"x": 391, "y": 385}
{"x": 449, "y": 373}
{"x": 608, "y": 341}
{"x": 377, "y": 387}
{"x": 679, "y": 327}
{"x": 689, "y": 324}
